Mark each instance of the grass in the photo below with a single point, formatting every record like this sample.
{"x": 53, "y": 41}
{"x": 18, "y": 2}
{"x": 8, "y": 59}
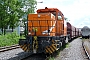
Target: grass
{"x": 9, "y": 39}
{"x": 22, "y": 37}
{"x": 67, "y": 45}
{"x": 51, "y": 58}
{"x": 83, "y": 40}
{"x": 63, "y": 47}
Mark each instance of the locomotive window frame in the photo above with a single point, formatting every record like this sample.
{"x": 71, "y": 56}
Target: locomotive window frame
{"x": 59, "y": 16}
{"x": 54, "y": 13}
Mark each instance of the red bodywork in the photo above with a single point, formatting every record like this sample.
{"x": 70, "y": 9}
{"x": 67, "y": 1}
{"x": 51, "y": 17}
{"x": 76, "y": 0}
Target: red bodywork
{"x": 73, "y": 31}
{"x": 76, "y": 32}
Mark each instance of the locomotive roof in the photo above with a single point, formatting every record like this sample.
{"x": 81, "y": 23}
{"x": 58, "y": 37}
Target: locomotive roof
{"x": 47, "y": 10}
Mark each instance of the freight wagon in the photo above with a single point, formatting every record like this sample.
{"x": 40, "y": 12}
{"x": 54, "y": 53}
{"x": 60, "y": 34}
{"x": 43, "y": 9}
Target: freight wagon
{"x": 72, "y": 31}
{"x": 76, "y": 32}
{"x": 79, "y": 32}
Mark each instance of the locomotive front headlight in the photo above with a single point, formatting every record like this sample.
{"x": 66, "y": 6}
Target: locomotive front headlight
{"x": 29, "y": 33}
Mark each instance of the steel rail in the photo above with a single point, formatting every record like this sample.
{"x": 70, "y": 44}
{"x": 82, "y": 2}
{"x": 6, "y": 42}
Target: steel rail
{"x": 7, "y": 48}
{"x": 85, "y": 50}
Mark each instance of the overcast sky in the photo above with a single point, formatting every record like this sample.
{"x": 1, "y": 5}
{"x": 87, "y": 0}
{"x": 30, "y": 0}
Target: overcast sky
{"x": 77, "y": 11}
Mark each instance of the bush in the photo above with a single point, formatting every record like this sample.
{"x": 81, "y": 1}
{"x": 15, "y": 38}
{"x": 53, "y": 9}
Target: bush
{"x": 9, "y": 39}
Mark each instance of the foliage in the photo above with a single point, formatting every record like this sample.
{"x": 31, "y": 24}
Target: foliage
{"x": 67, "y": 45}
{"x": 12, "y": 10}
{"x": 9, "y": 39}
{"x": 52, "y": 58}
{"x": 28, "y": 7}
{"x": 9, "y": 13}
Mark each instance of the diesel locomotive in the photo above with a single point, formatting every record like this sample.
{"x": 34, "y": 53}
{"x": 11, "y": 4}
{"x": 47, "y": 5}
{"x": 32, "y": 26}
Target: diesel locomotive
{"x": 47, "y": 31}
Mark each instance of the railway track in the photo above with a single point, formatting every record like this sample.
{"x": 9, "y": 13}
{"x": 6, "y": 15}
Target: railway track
{"x": 25, "y": 56}
{"x": 40, "y": 56}
{"x": 7, "y": 48}
{"x": 86, "y": 50}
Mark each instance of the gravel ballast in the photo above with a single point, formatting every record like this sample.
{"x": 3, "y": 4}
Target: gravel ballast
{"x": 75, "y": 51}
{"x": 15, "y": 54}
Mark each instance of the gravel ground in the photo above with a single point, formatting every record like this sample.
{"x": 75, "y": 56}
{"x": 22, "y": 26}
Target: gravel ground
{"x": 73, "y": 52}
{"x": 12, "y": 54}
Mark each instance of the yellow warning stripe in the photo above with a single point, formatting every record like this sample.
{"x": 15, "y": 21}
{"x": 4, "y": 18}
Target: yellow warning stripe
{"x": 46, "y": 50}
{"x": 52, "y": 48}
{"x": 49, "y": 50}
{"x": 53, "y": 41}
{"x": 57, "y": 40}
{"x": 25, "y": 48}
{"x": 21, "y": 46}
{"x": 28, "y": 47}
{"x": 56, "y": 44}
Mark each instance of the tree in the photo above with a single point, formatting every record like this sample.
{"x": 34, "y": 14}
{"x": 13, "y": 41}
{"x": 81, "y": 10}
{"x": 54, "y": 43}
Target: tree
{"x": 3, "y": 15}
{"x": 12, "y": 10}
{"x": 15, "y": 13}
{"x": 28, "y": 7}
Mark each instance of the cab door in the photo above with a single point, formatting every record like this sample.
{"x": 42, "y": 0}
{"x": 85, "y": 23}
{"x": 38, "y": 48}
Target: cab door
{"x": 60, "y": 24}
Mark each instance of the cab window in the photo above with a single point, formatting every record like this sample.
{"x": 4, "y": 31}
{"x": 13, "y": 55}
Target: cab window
{"x": 54, "y": 13}
{"x": 59, "y": 16}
